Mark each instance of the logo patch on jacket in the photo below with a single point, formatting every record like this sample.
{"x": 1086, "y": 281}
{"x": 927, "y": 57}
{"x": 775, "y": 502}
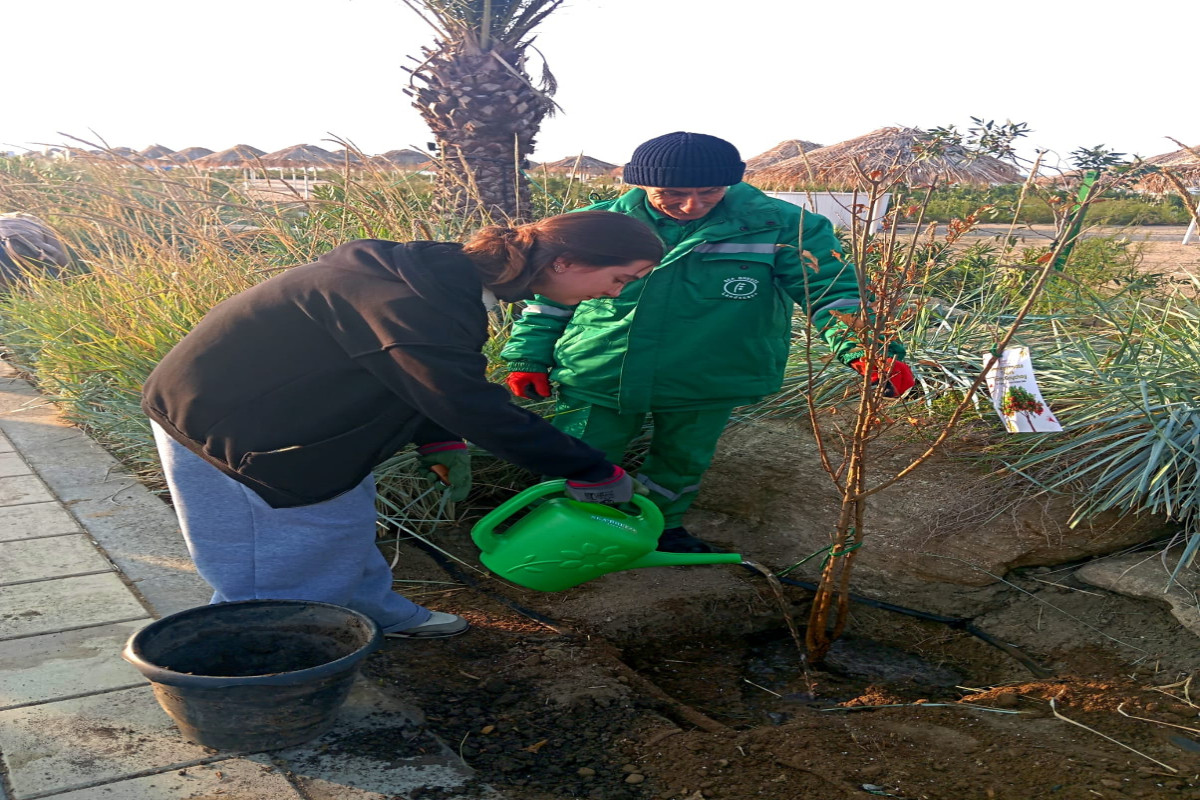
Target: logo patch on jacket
{"x": 740, "y": 288}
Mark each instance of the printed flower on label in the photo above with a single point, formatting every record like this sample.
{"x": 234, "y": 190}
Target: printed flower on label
{"x": 1019, "y": 400}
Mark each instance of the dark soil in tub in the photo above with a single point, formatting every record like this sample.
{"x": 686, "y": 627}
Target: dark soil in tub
{"x": 256, "y": 652}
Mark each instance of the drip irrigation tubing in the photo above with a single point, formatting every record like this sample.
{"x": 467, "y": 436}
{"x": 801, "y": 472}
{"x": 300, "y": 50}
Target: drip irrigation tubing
{"x": 453, "y": 570}
{"x": 959, "y": 623}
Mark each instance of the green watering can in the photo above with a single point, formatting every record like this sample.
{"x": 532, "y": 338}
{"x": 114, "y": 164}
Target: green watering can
{"x": 563, "y": 542}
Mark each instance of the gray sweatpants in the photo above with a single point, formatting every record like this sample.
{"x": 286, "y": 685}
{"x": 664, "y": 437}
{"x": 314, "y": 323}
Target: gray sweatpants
{"x": 247, "y": 550}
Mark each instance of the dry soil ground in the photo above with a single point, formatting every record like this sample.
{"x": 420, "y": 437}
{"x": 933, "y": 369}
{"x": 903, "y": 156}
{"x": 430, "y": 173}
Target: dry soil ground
{"x": 682, "y": 683}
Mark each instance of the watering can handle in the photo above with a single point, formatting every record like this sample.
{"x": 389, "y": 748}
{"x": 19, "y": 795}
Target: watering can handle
{"x": 483, "y": 534}
{"x": 486, "y": 539}
{"x": 650, "y": 512}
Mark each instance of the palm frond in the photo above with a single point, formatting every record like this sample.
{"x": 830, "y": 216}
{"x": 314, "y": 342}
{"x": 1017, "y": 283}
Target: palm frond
{"x": 548, "y": 81}
{"x": 486, "y": 24}
{"x": 530, "y": 17}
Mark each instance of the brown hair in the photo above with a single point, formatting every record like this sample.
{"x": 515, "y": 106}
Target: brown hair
{"x": 510, "y": 259}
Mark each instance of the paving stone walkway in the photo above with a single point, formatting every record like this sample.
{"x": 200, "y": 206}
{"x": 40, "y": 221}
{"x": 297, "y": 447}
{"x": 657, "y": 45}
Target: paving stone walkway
{"x": 87, "y": 557}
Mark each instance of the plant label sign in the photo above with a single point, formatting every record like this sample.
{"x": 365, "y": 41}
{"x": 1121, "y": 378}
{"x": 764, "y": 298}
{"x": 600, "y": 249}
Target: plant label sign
{"x": 1015, "y": 393}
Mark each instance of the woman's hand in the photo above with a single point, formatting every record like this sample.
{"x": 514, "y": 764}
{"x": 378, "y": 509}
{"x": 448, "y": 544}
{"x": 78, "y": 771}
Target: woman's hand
{"x": 620, "y": 487}
{"x": 448, "y": 463}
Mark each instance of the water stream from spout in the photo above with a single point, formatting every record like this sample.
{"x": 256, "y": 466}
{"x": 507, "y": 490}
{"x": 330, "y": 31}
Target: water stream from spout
{"x": 784, "y": 608}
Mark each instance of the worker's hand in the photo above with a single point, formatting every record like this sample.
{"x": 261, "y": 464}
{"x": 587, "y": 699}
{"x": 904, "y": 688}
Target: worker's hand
{"x": 448, "y": 463}
{"x": 899, "y": 376}
{"x": 620, "y": 487}
{"x": 519, "y": 382}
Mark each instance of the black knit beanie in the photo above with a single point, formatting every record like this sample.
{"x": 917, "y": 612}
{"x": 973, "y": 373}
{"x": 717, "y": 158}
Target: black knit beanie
{"x": 685, "y": 160}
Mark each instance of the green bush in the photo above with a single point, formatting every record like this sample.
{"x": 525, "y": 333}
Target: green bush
{"x": 553, "y": 193}
{"x": 959, "y": 202}
{"x": 1138, "y": 211}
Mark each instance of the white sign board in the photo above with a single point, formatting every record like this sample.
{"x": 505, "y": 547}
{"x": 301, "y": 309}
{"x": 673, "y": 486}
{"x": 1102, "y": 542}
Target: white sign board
{"x": 1015, "y": 393}
{"x": 839, "y": 207}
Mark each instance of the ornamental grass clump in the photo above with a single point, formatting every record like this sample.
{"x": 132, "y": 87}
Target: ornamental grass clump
{"x": 1129, "y": 386}
{"x": 153, "y": 250}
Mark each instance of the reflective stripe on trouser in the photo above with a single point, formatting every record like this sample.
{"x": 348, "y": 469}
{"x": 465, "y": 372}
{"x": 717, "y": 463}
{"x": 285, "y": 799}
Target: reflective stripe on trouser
{"x": 247, "y": 550}
{"x": 681, "y": 446}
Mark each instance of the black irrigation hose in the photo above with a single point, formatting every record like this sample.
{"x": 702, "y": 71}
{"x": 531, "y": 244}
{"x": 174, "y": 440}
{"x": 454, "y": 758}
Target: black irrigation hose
{"x": 458, "y": 574}
{"x": 959, "y": 623}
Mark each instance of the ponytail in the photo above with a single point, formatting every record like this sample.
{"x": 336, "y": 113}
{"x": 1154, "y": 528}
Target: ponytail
{"x": 500, "y": 254}
{"x": 509, "y": 260}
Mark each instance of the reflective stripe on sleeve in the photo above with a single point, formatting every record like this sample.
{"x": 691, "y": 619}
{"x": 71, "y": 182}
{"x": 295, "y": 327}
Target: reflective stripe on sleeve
{"x": 844, "y": 303}
{"x": 734, "y": 247}
{"x": 664, "y": 491}
{"x": 550, "y": 311}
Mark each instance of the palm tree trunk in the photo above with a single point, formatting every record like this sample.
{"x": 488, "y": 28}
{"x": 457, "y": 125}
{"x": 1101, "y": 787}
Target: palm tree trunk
{"x": 484, "y": 114}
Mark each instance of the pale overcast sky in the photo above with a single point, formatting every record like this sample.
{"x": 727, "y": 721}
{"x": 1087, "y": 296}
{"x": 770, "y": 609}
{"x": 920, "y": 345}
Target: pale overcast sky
{"x": 271, "y": 73}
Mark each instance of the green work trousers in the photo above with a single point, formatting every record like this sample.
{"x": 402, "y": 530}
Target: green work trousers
{"x": 681, "y": 446}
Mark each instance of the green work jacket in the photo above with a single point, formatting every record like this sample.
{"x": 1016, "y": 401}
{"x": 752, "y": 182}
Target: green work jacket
{"x": 711, "y": 325}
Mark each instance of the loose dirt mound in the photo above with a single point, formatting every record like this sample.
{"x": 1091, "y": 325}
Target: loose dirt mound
{"x": 704, "y": 695}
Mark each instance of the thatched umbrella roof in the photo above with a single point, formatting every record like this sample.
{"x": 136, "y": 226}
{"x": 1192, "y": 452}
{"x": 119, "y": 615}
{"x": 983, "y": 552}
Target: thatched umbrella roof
{"x": 240, "y": 155}
{"x": 788, "y": 148}
{"x": 401, "y": 158}
{"x": 894, "y": 152}
{"x": 344, "y": 155}
{"x": 300, "y": 155}
{"x": 1184, "y": 164}
{"x": 80, "y": 153}
{"x": 156, "y": 151}
{"x": 108, "y": 154}
{"x": 579, "y": 165}
{"x": 187, "y": 154}
{"x": 1064, "y": 181}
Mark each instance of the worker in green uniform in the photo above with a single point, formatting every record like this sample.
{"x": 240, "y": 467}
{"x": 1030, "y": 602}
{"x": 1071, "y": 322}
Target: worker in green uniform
{"x": 704, "y": 332}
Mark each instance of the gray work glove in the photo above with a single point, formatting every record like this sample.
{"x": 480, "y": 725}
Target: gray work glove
{"x": 617, "y": 488}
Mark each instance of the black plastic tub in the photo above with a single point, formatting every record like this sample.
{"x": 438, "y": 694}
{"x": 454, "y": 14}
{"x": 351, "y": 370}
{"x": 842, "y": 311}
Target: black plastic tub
{"x": 253, "y": 675}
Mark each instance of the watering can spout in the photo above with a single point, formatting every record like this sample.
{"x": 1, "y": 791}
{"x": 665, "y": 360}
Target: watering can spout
{"x": 656, "y": 558}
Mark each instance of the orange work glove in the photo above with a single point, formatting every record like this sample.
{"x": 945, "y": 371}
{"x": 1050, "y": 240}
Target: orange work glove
{"x": 519, "y": 382}
{"x": 899, "y": 376}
